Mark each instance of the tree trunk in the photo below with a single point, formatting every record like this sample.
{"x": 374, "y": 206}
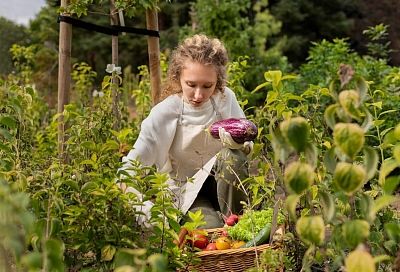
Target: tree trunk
{"x": 154, "y": 56}
{"x": 114, "y": 60}
{"x": 64, "y": 79}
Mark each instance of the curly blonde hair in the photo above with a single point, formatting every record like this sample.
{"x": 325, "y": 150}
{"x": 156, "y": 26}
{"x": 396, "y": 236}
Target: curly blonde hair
{"x": 198, "y": 48}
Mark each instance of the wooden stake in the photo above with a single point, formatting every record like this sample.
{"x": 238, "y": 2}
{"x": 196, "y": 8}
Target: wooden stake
{"x": 64, "y": 78}
{"x": 114, "y": 60}
{"x": 154, "y": 56}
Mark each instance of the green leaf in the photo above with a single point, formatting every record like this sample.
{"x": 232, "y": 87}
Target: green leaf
{"x": 384, "y": 201}
{"x": 397, "y": 132}
{"x": 124, "y": 133}
{"x": 362, "y": 88}
{"x": 71, "y": 183}
{"x": 55, "y": 251}
{"x": 368, "y": 121}
{"x": 329, "y": 115}
{"x": 396, "y": 153}
{"x": 32, "y": 260}
{"x": 88, "y": 187}
{"x": 393, "y": 231}
{"x": 291, "y": 96}
{"x": 7, "y": 164}
{"x": 261, "y": 86}
{"x": 328, "y": 205}
{"x": 89, "y": 145}
{"x": 385, "y": 131}
{"x": 387, "y": 167}
{"x": 376, "y": 104}
{"x": 108, "y": 252}
{"x": 382, "y": 258}
{"x": 386, "y": 112}
{"x": 6, "y": 134}
{"x": 391, "y": 184}
{"x": 291, "y": 203}
{"x": 289, "y": 77}
{"x": 8, "y": 121}
{"x": 158, "y": 262}
{"x": 94, "y": 157}
{"x": 366, "y": 207}
{"x": 378, "y": 122}
{"x": 55, "y": 226}
{"x": 271, "y": 97}
{"x": 110, "y": 145}
{"x": 5, "y": 148}
{"x": 89, "y": 162}
{"x": 174, "y": 225}
{"x": 125, "y": 268}
{"x": 124, "y": 257}
{"x": 330, "y": 160}
{"x": 389, "y": 138}
{"x": 311, "y": 153}
{"x": 371, "y": 161}
{"x": 273, "y": 76}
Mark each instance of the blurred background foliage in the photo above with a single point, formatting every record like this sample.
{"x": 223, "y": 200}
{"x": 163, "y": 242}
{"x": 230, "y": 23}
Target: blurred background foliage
{"x": 275, "y": 34}
{"x": 268, "y": 42}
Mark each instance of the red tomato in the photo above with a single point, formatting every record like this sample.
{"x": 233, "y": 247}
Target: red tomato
{"x": 199, "y": 240}
{"x": 211, "y": 246}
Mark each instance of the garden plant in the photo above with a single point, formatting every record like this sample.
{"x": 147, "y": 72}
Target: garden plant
{"x": 326, "y": 156}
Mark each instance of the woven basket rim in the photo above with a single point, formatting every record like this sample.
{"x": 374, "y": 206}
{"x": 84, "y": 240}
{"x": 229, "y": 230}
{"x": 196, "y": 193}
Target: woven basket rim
{"x": 232, "y": 250}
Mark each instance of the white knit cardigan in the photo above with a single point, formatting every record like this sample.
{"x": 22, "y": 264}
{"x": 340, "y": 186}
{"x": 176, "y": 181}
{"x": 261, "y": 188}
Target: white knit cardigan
{"x": 158, "y": 129}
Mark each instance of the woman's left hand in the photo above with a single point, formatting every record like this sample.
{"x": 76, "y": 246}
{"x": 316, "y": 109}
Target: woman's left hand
{"x": 227, "y": 141}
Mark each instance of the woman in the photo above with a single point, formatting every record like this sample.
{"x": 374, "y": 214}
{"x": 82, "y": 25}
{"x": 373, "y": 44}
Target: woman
{"x": 174, "y": 137}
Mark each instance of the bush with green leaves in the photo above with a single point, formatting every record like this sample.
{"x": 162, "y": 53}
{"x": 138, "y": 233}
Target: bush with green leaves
{"x": 245, "y": 27}
{"x": 332, "y": 211}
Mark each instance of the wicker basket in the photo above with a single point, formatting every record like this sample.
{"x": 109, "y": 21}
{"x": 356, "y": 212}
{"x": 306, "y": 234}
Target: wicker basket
{"x": 229, "y": 260}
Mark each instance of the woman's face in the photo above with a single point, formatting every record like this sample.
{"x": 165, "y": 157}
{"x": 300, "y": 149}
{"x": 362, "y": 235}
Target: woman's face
{"x": 198, "y": 82}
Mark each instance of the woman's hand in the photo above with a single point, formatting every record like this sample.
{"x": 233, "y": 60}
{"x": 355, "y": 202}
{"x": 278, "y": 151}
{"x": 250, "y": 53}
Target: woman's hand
{"x": 228, "y": 142}
{"x": 143, "y": 219}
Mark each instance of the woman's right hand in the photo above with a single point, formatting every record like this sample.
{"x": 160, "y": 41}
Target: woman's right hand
{"x": 143, "y": 219}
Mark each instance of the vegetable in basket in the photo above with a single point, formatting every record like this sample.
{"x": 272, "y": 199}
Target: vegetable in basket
{"x": 260, "y": 238}
{"x": 251, "y": 223}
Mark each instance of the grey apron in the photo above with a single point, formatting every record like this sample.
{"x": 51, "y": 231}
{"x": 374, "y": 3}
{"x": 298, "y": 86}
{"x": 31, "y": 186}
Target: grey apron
{"x": 201, "y": 153}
